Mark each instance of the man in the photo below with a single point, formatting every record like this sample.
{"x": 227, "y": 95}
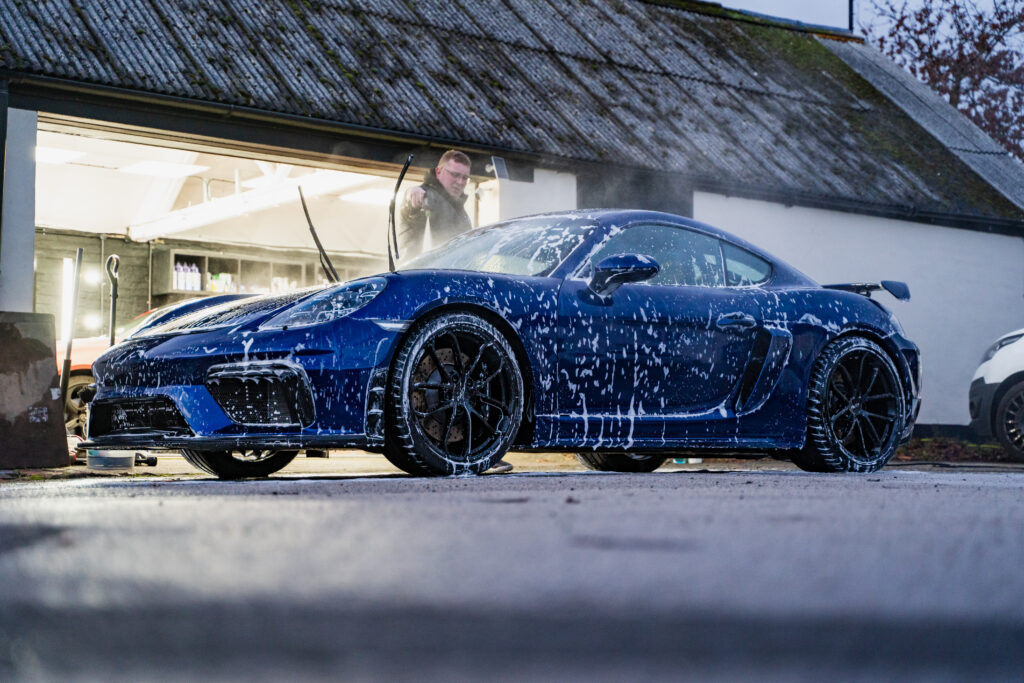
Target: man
{"x": 434, "y": 212}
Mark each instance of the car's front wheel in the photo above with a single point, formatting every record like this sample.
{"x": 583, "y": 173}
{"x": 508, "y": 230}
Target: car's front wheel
{"x": 455, "y": 398}
{"x": 74, "y": 405}
{"x": 1009, "y": 421}
{"x": 856, "y": 409}
{"x": 620, "y": 462}
{"x": 238, "y": 464}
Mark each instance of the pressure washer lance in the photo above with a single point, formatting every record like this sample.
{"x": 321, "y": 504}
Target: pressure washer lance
{"x": 113, "y": 262}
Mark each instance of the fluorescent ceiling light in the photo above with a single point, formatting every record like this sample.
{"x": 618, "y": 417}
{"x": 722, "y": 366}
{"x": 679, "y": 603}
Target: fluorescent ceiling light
{"x": 370, "y": 195}
{"x": 235, "y": 205}
{"x": 56, "y": 155}
{"x": 67, "y": 289}
{"x": 163, "y": 169}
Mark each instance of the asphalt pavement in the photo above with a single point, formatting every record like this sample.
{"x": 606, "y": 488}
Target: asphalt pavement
{"x": 751, "y": 572}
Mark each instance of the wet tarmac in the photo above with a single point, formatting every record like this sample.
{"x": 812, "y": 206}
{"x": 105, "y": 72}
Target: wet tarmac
{"x": 752, "y": 572}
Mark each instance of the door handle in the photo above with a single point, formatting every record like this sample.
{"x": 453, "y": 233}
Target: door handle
{"x": 736, "y": 320}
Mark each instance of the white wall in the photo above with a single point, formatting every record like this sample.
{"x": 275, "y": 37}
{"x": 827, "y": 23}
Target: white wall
{"x": 18, "y": 232}
{"x": 967, "y": 287}
{"x": 504, "y": 199}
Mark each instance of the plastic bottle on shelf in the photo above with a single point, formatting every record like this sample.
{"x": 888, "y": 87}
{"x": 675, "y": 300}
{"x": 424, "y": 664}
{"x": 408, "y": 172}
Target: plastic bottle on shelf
{"x": 197, "y": 278}
{"x": 177, "y": 276}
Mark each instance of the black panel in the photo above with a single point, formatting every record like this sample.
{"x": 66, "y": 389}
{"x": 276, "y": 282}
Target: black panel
{"x": 262, "y": 393}
{"x": 125, "y": 416}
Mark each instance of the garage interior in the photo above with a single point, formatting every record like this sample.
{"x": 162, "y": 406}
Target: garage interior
{"x": 192, "y": 216}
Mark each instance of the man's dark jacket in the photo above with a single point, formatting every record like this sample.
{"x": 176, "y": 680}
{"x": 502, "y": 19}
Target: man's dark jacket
{"x": 446, "y": 214}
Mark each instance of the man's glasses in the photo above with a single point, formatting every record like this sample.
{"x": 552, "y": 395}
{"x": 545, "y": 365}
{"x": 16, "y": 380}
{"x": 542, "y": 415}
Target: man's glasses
{"x": 456, "y": 176}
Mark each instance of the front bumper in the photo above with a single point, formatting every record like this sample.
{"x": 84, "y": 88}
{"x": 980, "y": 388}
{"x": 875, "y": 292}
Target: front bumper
{"x": 268, "y": 389}
{"x": 980, "y": 400}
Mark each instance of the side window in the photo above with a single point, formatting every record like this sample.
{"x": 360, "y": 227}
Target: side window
{"x": 743, "y": 268}
{"x": 686, "y": 258}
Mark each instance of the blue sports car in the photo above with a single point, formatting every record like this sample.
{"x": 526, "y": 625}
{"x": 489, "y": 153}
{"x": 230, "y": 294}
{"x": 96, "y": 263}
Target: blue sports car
{"x": 623, "y": 336}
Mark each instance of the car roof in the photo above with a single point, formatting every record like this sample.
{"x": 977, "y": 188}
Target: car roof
{"x": 612, "y": 217}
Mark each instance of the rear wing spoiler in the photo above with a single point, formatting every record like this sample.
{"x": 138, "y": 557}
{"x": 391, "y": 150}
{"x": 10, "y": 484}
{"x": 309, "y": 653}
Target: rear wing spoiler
{"x": 897, "y": 289}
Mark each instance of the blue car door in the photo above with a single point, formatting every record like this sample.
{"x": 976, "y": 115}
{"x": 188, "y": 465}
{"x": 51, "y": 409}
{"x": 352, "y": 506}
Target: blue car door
{"x": 660, "y": 359}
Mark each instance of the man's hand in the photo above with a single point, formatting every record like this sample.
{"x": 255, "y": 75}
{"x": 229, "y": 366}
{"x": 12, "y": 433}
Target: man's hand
{"x": 414, "y": 196}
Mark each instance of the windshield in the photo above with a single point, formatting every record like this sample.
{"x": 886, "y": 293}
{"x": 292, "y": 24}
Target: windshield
{"x": 529, "y": 246}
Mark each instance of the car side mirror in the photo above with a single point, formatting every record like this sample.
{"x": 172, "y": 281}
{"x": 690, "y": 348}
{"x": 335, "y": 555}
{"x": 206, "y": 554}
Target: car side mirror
{"x": 615, "y": 271}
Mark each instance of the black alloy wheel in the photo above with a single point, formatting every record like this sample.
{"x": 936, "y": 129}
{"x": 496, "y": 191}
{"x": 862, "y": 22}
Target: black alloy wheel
{"x": 240, "y": 463}
{"x": 620, "y": 462}
{"x": 856, "y": 409}
{"x": 455, "y": 398}
{"x": 1009, "y": 422}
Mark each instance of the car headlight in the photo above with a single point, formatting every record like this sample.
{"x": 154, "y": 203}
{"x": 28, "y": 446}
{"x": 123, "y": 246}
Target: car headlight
{"x": 1005, "y": 341}
{"x": 329, "y": 305}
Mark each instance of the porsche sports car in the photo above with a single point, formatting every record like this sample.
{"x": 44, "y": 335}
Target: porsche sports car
{"x": 623, "y": 336}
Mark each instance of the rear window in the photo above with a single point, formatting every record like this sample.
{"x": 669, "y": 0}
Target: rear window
{"x": 743, "y": 268}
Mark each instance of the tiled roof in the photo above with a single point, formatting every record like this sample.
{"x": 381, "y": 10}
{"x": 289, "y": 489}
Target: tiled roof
{"x": 682, "y": 87}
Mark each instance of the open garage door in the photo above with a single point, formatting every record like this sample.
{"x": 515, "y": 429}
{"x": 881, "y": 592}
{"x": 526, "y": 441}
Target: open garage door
{"x": 193, "y": 216}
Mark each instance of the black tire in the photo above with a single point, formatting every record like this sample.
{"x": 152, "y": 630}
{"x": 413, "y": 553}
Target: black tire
{"x": 454, "y": 398}
{"x": 856, "y": 409}
{"x": 1009, "y": 422}
{"x": 238, "y": 464}
{"x": 620, "y": 462}
{"x": 74, "y": 406}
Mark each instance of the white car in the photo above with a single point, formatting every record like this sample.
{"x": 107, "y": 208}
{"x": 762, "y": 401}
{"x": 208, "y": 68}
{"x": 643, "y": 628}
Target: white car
{"x": 997, "y": 394}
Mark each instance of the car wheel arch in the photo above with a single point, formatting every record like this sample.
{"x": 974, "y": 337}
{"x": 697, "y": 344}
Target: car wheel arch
{"x": 997, "y": 397}
{"x": 866, "y": 333}
{"x": 525, "y": 434}
{"x": 879, "y": 338}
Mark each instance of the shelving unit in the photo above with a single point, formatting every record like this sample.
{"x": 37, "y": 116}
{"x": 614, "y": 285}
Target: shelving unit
{"x": 222, "y": 273}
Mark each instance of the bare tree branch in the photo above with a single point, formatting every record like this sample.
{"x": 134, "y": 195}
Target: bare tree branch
{"x": 972, "y": 56}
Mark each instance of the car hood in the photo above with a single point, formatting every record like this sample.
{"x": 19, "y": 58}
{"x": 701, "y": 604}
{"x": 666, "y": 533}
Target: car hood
{"x": 231, "y": 314}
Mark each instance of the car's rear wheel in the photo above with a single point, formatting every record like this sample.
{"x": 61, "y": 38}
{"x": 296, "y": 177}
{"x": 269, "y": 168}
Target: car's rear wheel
{"x": 1009, "y": 421}
{"x": 620, "y": 462}
{"x": 238, "y": 464}
{"x": 856, "y": 409}
{"x": 455, "y": 398}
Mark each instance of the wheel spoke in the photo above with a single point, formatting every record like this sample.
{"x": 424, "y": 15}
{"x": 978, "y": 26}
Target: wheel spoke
{"x": 448, "y": 430}
{"x": 457, "y": 351}
{"x": 479, "y": 357}
{"x": 840, "y": 413}
{"x": 501, "y": 366}
{"x": 834, "y": 388}
{"x": 874, "y": 432}
{"x": 860, "y": 370}
{"x": 860, "y": 432}
{"x": 877, "y": 397}
{"x": 847, "y": 377}
{"x": 428, "y": 413}
{"x": 437, "y": 386}
{"x": 868, "y": 413}
{"x": 871, "y": 383}
{"x": 432, "y": 352}
{"x": 482, "y": 419}
{"x": 849, "y": 432}
{"x": 493, "y": 402}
